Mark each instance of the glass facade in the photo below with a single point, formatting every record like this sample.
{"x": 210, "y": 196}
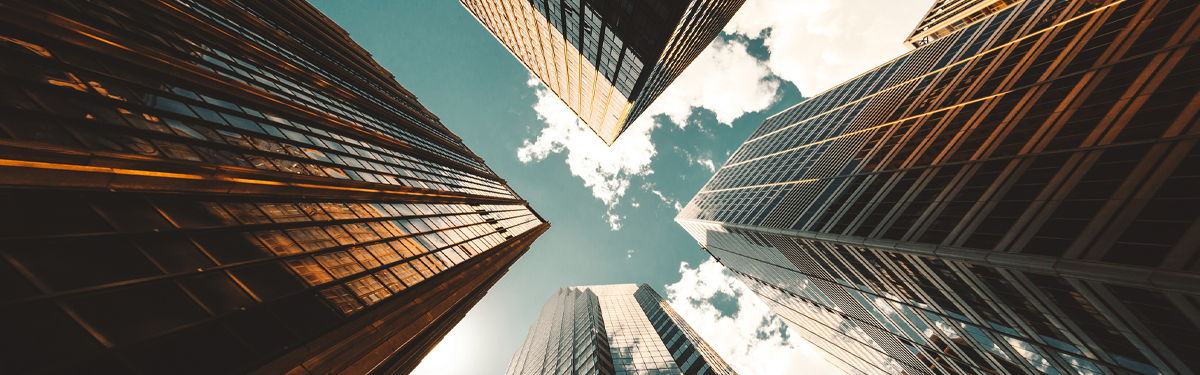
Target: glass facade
{"x": 607, "y": 59}
{"x": 229, "y": 187}
{"x": 1009, "y": 198}
{"x": 947, "y": 16}
{"x": 615, "y": 330}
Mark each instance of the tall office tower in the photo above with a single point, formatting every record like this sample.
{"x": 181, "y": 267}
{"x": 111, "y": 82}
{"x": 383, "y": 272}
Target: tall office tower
{"x": 607, "y": 59}
{"x": 947, "y": 16}
{"x": 229, "y": 187}
{"x": 1017, "y": 197}
{"x": 613, "y": 330}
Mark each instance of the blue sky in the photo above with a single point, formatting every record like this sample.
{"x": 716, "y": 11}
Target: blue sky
{"x": 612, "y": 209}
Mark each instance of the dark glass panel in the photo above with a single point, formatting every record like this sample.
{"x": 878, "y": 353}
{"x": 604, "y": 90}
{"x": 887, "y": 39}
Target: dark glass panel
{"x": 174, "y": 253}
{"x": 218, "y": 292}
{"x": 70, "y": 265}
{"x": 130, "y": 212}
{"x": 187, "y": 212}
{"x": 34, "y": 335}
{"x": 203, "y": 350}
{"x": 234, "y": 247}
{"x": 261, "y": 331}
{"x": 305, "y": 314}
{"x": 1166, "y": 321}
{"x": 15, "y": 285}
{"x": 268, "y": 281}
{"x": 27, "y": 213}
{"x": 134, "y": 314}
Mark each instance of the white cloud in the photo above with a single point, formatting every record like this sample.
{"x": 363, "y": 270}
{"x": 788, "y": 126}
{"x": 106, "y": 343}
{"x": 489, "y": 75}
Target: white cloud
{"x": 613, "y": 220}
{"x": 707, "y": 163}
{"x": 724, "y": 79}
{"x": 703, "y": 161}
{"x": 606, "y": 170}
{"x": 628, "y": 253}
{"x": 750, "y": 335}
{"x": 668, "y": 200}
{"x": 817, "y": 44}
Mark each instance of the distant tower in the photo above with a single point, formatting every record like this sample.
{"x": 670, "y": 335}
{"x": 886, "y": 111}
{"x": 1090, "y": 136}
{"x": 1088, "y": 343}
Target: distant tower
{"x": 607, "y": 59}
{"x": 1017, "y": 196}
{"x": 613, "y": 330}
{"x": 229, "y": 187}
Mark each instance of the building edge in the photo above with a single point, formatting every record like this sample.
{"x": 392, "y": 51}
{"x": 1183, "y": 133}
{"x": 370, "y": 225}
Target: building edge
{"x": 359, "y": 348}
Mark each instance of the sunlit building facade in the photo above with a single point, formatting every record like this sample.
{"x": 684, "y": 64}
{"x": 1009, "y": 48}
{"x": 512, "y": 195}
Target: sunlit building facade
{"x": 1015, "y": 197}
{"x": 229, "y": 187}
{"x": 947, "y": 16}
{"x": 606, "y": 59}
{"x": 613, "y": 330}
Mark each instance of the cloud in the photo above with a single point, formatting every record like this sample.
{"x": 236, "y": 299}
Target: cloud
{"x": 724, "y": 79}
{"x": 817, "y": 44}
{"x": 668, "y": 200}
{"x": 707, "y": 163}
{"x": 745, "y": 337}
{"x": 606, "y": 170}
{"x": 628, "y": 253}
{"x": 703, "y": 161}
{"x": 613, "y": 220}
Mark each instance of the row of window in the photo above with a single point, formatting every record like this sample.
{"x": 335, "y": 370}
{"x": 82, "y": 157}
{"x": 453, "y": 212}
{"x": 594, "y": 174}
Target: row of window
{"x": 104, "y": 16}
{"x": 865, "y": 203}
{"x": 598, "y": 104}
{"x": 908, "y": 297}
{"x": 338, "y": 106}
{"x": 89, "y": 270}
{"x": 199, "y": 119}
{"x": 568, "y": 337}
{"x": 687, "y": 355}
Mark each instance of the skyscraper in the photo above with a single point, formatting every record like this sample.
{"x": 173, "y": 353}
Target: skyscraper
{"x": 607, "y": 59}
{"x": 947, "y": 16}
{"x": 229, "y": 187}
{"x": 1014, "y": 197}
{"x": 613, "y": 330}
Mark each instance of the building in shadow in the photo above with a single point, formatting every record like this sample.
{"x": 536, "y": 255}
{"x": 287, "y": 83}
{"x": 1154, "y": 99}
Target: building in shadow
{"x": 229, "y": 187}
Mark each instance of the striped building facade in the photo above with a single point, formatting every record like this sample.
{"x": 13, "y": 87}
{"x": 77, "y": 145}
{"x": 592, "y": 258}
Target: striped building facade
{"x": 1014, "y": 197}
{"x": 613, "y": 330}
{"x": 229, "y": 187}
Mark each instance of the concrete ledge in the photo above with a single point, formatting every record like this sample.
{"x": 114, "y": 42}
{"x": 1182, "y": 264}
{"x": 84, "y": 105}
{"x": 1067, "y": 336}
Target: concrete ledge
{"x": 963, "y": 254}
{"x": 826, "y": 236}
{"x": 916, "y": 248}
{"x": 1010, "y": 260}
{"x": 1178, "y": 281}
{"x": 880, "y": 243}
{"x": 1104, "y": 271}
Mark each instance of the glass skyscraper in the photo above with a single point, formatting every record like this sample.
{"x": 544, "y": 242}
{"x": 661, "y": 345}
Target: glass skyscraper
{"x": 947, "y": 16}
{"x": 606, "y": 59}
{"x": 613, "y": 330}
{"x": 229, "y": 187}
{"x": 1015, "y": 197}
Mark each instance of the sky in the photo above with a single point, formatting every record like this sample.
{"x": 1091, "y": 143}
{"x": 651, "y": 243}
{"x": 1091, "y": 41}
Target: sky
{"x": 611, "y": 209}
